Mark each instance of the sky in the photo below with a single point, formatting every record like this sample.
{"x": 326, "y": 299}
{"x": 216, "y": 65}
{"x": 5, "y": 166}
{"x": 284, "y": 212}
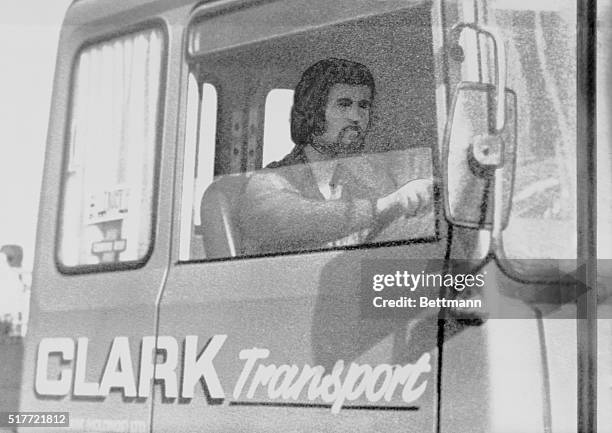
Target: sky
{"x": 29, "y": 34}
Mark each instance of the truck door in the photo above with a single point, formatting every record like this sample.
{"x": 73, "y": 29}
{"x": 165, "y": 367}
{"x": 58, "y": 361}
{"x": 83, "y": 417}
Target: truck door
{"x": 101, "y": 255}
{"x": 252, "y": 324}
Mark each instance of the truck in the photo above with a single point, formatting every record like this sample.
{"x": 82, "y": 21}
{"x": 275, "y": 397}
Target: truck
{"x": 488, "y": 313}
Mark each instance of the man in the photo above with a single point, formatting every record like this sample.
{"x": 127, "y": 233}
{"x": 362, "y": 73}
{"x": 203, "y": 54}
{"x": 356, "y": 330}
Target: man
{"x": 325, "y": 193}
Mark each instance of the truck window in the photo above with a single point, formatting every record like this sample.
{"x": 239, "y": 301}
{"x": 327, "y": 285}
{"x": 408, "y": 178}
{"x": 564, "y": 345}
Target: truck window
{"x": 200, "y": 139}
{"x": 541, "y": 49}
{"x": 277, "y": 135}
{"x": 255, "y": 83}
{"x": 108, "y": 182}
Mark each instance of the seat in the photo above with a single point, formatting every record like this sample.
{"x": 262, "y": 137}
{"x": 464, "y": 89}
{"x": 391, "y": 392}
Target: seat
{"x": 220, "y": 217}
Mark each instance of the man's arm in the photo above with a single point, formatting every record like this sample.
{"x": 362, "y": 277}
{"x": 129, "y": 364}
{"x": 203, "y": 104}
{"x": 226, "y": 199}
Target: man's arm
{"x": 275, "y": 215}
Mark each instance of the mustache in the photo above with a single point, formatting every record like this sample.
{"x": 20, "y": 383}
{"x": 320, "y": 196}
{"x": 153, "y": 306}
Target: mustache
{"x": 355, "y": 128}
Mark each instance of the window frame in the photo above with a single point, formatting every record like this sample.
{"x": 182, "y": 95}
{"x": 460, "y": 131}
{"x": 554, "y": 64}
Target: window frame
{"x": 147, "y": 25}
{"x": 185, "y": 167}
{"x": 190, "y": 58}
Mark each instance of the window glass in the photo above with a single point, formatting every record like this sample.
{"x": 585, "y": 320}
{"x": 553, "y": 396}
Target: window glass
{"x": 376, "y": 132}
{"x": 277, "y": 134}
{"x": 540, "y": 41}
{"x": 199, "y": 163}
{"x": 108, "y": 183}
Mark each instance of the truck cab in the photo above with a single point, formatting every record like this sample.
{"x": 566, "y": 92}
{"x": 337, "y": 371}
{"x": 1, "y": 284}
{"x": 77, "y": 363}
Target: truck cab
{"x": 148, "y": 315}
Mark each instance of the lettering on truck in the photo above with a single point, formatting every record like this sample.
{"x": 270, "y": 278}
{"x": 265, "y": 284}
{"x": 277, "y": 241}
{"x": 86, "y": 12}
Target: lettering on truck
{"x": 287, "y": 382}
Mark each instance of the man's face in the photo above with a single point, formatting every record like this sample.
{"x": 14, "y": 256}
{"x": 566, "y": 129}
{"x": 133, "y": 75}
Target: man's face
{"x": 347, "y": 117}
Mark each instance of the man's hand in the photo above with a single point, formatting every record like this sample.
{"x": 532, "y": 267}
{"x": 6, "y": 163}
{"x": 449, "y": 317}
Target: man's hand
{"x": 409, "y": 200}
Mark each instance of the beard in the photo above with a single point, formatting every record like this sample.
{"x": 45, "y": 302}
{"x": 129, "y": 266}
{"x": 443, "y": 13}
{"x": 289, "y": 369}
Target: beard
{"x": 350, "y": 140}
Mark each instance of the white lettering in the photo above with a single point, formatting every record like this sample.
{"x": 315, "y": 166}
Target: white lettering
{"x": 316, "y": 374}
{"x": 332, "y": 380}
{"x": 251, "y": 355}
{"x": 371, "y": 393}
{"x": 81, "y": 387}
{"x": 360, "y": 380}
{"x": 119, "y": 372}
{"x": 146, "y": 366}
{"x": 166, "y": 370}
{"x": 422, "y": 366}
{"x": 283, "y": 381}
{"x": 349, "y": 391}
{"x": 61, "y": 385}
{"x": 262, "y": 376}
{"x": 288, "y": 373}
{"x": 308, "y": 373}
{"x": 194, "y": 368}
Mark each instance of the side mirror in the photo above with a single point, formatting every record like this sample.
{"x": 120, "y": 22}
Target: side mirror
{"x": 473, "y": 150}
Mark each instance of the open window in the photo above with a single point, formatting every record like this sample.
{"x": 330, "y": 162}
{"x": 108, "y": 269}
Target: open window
{"x": 277, "y": 132}
{"x": 255, "y": 71}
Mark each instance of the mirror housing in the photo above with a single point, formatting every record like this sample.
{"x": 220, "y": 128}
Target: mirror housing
{"x": 472, "y": 151}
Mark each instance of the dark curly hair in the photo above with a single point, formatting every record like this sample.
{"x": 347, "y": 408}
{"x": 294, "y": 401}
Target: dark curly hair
{"x": 310, "y": 97}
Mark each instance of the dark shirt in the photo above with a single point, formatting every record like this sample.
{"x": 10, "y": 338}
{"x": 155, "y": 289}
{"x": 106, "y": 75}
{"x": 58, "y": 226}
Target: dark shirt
{"x": 282, "y": 208}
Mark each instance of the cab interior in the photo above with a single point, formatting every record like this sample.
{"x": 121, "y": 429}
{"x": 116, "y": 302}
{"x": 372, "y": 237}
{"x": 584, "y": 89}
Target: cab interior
{"x": 395, "y": 45}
